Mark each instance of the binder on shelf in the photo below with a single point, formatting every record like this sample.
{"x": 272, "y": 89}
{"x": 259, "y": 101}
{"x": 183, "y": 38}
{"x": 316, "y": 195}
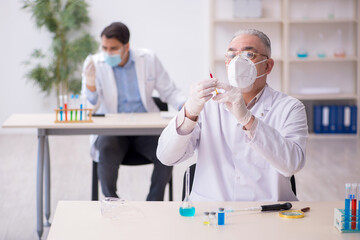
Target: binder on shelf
{"x": 333, "y": 119}
{"x": 325, "y": 121}
{"x": 347, "y": 119}
{"x": 317, "y": 118}
{"x": 340, "y": 119}
{"x": 353, "y": 122}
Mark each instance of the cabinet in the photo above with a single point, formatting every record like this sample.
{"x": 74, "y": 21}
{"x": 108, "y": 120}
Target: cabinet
{"x": 318, "y": 27}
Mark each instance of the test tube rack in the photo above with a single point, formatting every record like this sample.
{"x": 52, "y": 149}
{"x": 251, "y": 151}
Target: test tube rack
{"x": 344, "y": 222}
{"x": 86, "y": 112}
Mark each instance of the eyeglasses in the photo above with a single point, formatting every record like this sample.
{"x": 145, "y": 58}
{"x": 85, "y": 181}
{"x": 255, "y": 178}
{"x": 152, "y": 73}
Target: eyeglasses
{"x": 250, "y": 55}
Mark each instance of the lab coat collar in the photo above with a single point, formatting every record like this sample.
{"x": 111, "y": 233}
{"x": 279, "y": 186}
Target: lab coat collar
{"x": 267, "y": 98}
{"x": 264, "y": 102}
{"x": 130, "y": 60}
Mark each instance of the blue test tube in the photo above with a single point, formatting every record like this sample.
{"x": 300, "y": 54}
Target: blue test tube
{"x": 81, "y": 111}
{"x": 61, "y": 103}
{"x": 82, "y": 106}
{"x": 347, "y": 206}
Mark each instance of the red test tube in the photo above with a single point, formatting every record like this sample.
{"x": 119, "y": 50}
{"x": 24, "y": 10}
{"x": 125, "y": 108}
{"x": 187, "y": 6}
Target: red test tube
{"x": 353, "y": 205}
{"x": 65, "y": 107}
{"x": 211, "y": 76}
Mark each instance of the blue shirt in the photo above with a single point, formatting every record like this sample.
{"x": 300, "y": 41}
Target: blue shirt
{"x": 129, "y": 99}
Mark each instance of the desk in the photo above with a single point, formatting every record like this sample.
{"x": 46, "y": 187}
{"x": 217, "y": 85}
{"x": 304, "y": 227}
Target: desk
{"x": 114, "y": 124}
{"x": 83, "y": 220}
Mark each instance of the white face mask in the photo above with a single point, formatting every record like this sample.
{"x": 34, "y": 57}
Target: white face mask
{"x": 242, "y": 72}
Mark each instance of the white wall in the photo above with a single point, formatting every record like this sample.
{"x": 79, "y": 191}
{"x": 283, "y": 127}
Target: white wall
{"x": 176, "y": 30}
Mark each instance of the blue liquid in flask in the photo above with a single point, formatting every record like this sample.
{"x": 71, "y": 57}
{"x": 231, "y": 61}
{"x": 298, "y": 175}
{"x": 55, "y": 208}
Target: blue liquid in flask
{"x": 187, "y": 212}
{"x": 186, "y": 208}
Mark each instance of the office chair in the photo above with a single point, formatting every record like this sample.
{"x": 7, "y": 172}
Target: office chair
{"x": 192, "y": 173}
{"x": 132, "y": 158}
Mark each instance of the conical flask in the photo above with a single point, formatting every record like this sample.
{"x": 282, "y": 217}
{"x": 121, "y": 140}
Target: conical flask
{"x": 187, "y": 209}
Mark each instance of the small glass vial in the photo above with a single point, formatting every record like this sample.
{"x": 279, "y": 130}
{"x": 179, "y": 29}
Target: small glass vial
{"x": 339, "y": 51}
{"x": 212, "y": 217}
{"x": 305, "y": 12}
{"x": 321, "y": 52}
{"x": 301, "y": 51}
{"x": 206, "y": 219}
{"x": 221, "y": 216}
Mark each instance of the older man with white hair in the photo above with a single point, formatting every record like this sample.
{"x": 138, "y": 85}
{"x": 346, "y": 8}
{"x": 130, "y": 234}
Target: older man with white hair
{"x": 249, "y": 139}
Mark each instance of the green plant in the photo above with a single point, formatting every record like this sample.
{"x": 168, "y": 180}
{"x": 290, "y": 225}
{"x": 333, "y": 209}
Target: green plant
{"x": 60, "y": 67}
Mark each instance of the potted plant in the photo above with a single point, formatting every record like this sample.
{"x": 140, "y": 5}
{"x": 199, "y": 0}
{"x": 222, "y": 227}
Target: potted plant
{"x": 60, "y": 67}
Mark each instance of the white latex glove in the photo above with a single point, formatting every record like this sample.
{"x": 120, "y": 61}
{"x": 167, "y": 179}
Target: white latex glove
{"x": 200, "y": 93}
{"x": 90, "y": 73}
{"x": 234, "y": 101}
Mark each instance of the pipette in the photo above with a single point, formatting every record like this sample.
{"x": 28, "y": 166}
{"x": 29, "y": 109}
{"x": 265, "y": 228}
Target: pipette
{"x": 264, "y": 208}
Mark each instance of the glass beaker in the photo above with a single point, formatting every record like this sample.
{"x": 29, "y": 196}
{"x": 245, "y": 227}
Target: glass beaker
{"x": 339, "y": 50}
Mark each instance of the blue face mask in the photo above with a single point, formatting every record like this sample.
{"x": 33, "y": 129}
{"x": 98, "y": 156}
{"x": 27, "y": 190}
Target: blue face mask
{"x": 112, "y": 60}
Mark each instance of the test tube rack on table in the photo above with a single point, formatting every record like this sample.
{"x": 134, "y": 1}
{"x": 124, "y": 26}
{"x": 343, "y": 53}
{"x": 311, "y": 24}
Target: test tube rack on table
{"x": 73, "y": 115}
{"x": 346, "y": 223}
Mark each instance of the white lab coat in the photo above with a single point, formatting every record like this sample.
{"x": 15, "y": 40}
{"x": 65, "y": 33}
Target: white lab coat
{"x": 151, "y": 76}
{"x": 233, "y": 167}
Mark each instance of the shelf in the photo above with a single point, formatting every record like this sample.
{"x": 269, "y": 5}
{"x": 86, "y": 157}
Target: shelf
{"x": 248, "y": 20}
{"x": 336, "y": 96}
{"x": 332, "y": 136}
{"x": 313, "y": 80}
{"x": 307, "y": 21}
{"x": 327, "y": 59}
{"x": 222, "y": 59}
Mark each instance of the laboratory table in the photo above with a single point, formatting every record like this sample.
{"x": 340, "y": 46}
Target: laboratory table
{"x": 111, "y": 124}
{"x": 161, "y": 220}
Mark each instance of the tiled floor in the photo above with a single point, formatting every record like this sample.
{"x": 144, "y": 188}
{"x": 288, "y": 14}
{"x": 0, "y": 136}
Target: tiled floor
{"x": 330, "y": 163}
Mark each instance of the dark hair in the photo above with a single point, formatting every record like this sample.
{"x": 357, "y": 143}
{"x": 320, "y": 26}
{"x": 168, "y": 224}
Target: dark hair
{"x": 117, "y": 30}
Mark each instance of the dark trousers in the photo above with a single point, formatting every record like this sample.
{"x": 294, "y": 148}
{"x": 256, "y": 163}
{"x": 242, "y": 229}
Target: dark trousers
{"x": 112, "y": 151}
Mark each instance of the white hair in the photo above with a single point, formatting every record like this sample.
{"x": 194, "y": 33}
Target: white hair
{"x": 262, "y": 36}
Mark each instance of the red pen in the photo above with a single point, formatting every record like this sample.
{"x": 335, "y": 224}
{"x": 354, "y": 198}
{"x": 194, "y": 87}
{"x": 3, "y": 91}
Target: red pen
{"x": 215, "y": 88}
